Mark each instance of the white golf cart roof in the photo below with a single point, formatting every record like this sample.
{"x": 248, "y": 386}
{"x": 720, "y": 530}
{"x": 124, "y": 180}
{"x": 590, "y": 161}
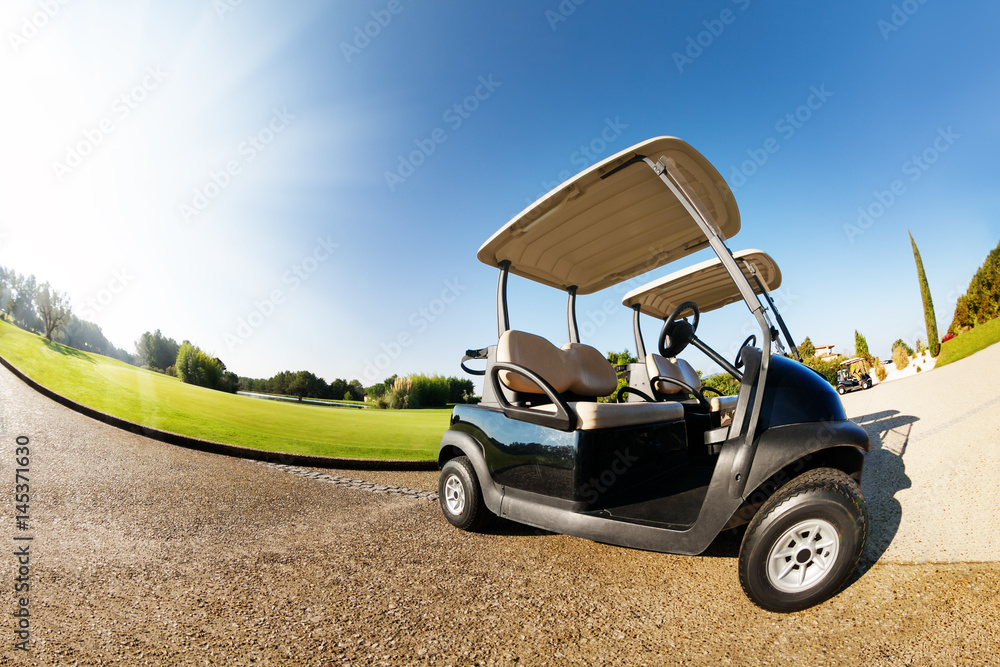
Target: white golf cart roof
{"x": 708, "y": 284}
{"x": 593, "y": 232}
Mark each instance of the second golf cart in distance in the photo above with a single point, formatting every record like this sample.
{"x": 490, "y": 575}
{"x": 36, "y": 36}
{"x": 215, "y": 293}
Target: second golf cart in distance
{"x": 667, "y": 467}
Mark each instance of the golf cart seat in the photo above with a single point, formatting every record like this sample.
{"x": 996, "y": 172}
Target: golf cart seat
{"x": 681, "y": 371}
{"x": 577, "y": 372}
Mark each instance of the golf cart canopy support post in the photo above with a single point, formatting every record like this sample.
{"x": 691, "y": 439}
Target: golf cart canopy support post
{"x": 640, "y": 347}
{"x": 574, "y": 330}
{"x": 503, "y": 321}
{"x": 686, "y": 196}
{"x": 774, "y": 309}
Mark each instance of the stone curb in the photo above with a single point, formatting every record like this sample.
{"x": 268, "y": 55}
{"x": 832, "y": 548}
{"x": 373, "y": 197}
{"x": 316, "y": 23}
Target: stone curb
{"x": 387, "y": 489}
{"x": 224, "y": 449}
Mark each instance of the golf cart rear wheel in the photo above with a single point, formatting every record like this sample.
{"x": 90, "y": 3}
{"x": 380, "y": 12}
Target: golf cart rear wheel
{"x": 804, "y": 542}
{"x": 841, "y": 390}
{"x": 461, "y": 498}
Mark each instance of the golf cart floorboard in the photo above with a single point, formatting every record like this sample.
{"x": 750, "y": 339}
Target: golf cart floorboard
{"x": 682, "y": 507}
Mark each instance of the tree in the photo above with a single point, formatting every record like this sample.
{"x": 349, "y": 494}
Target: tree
{"x": 861, "y": 350}
{"x": 807, "y": 349}
{"x": 860, "y": 345}
{"x": 53, "y": 308}
{"x": 195, "y": 367}
{"x": 933, "y": 342}
{"x": 981, "y": 302}
{"x": 155, "y": 351}
{"x": 459, "y": 389}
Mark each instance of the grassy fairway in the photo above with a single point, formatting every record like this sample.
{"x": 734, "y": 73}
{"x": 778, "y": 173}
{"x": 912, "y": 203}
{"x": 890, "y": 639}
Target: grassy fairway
{"x": 969, "y": 343}
{"x": 166, "y": 403}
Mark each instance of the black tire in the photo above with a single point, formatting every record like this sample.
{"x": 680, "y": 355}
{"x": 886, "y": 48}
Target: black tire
{"x": 841, "y": 390}
{"x": 804, "y": 542}
{"x": 461, "y": 498}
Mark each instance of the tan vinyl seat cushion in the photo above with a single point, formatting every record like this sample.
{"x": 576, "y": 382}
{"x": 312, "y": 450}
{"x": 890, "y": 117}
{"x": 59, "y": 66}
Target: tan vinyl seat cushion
{"x": 576, "y": 368}
{"x": 722, "y": 403}
{"x": 679, "y": 369}
{"x": 592, "y": 416}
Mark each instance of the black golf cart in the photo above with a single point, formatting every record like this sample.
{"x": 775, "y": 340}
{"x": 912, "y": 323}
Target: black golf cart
{"x": 660, "y": 471}
{"x": 852, "y": 380}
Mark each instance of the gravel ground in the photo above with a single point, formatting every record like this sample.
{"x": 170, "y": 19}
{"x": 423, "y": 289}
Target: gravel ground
{"x": 930, "y": 480}
{"x": 144, "y": 553}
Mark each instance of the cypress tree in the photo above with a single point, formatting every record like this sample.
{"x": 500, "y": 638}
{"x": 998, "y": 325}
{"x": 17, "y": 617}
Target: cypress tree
{"x": 925, "y": 292}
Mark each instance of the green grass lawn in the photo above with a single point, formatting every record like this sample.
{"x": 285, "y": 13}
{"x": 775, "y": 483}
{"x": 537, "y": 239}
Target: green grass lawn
{"x": 163, "y": 402}
{"x": 970, "y": 342}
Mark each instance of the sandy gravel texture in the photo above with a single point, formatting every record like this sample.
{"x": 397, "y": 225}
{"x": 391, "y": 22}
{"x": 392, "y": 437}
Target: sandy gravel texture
{"x": 931, "y": 480}
{"x": 149, "y": 554}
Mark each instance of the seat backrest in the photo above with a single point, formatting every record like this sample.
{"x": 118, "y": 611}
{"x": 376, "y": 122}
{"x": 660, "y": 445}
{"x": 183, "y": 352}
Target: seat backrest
{"x": 576, "y": 368}
{"x": 677, "y": 369}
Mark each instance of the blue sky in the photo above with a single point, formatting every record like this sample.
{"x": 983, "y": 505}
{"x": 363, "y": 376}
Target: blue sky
{"x": 305, "y": 185}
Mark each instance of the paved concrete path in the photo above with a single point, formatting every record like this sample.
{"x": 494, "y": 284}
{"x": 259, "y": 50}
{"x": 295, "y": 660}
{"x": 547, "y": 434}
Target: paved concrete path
{"x": 932, "y": 480}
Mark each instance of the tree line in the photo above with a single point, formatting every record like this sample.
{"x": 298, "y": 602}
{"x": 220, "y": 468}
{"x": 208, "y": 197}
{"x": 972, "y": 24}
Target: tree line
{"x": 981, "y": 302}
{"x": 40, "y": 309}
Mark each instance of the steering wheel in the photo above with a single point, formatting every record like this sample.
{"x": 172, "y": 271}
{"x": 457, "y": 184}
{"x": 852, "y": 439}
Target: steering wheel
{"x": 677, "y": 333}
{"x": 738, "y": 363}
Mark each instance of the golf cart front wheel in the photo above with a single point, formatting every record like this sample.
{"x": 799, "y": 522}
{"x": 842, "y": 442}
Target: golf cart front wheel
{"x": 461, "y": 498}
{"x": 841, "y": 390}
{"x": 804, "y": 542}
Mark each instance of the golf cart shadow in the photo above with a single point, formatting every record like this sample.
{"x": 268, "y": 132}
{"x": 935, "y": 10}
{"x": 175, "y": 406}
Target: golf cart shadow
{"x": 885, "y": 475}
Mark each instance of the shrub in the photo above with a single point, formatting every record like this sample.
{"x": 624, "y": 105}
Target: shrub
{"x": 428, "y": 391}
{"x": 901, "y": 343}
{"x": 880, "y": 372}
{"x": 947, "y": 337}
{"x": 920, "y": 346}
{"x": 828, "y": 369}
{"x": 724, "y": 382}
{"x": 900, "y": 358}
{"x": 918, "y": 369}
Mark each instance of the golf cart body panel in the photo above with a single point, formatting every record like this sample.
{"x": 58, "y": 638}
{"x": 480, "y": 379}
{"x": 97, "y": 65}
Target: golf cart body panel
{"x": 661, "y": 472}
{"x": 614, "y": 221}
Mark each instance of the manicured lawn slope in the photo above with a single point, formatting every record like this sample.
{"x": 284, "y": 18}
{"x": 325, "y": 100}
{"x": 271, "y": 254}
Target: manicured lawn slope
{"x": 969, "y": 343}
{"x": 166, "y": 403}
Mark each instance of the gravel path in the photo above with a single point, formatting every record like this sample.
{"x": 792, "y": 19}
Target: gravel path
{"x": 931, "y": 480}
{"x": 145, "y": 553}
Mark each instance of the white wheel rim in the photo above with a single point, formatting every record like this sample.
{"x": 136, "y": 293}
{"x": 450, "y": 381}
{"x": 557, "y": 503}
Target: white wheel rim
{"x": 454, "y": 495}
{"x": 804, "y": 556}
